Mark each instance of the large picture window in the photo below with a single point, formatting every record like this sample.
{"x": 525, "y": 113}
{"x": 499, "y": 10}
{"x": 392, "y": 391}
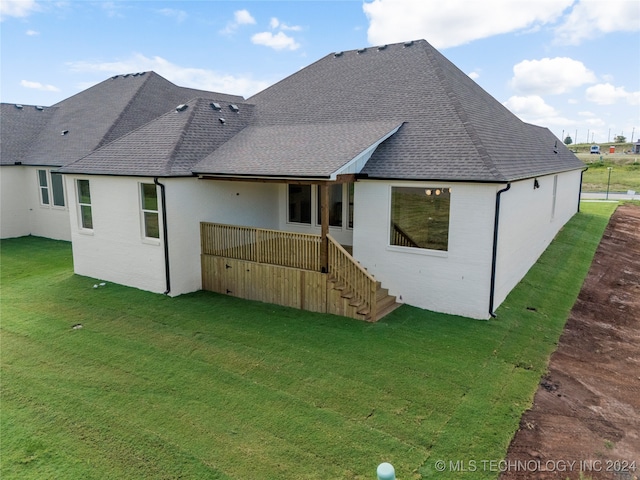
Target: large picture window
{"x": 420, "y": 217}
{"x": 84, "y": 201}
{"x": 149, "y": 195}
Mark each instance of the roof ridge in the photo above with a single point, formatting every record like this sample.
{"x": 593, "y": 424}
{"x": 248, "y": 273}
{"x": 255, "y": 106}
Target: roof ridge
{"x": 176, "y": 148}
{"x": 462, "y": 114}
{"x": 124, "y": 111}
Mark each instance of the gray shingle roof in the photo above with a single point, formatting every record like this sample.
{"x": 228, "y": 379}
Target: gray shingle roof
{"x": 453, "y": 129}
{"x": 294, "y": 150}
{"x": 167, "y": 146}
{"x": 19, "y": 128}
{"x": 105, "y": 112}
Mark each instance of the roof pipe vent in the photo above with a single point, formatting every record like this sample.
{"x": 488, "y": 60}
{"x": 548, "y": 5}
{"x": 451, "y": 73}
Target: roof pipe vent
{"x": 18, "y": 106}
{"x": 222, "y": 120}
{"x": 64, "y": 132}
{"x": 182, "y": 107}
{"x": 409, "y": 43}
{"x": 234, "y": 108}
{"x": 337, "y": 54}
{"x": 215, "y": 106}
{"x": 38, "y": 107}
{"x": 361, "y": 50}
{"x": 382, "y": 47}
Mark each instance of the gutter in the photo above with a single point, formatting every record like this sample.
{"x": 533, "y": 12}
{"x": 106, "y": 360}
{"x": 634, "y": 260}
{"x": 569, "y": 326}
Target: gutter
{"x": 165, "y": 235}
{"x": 494, "y": 257}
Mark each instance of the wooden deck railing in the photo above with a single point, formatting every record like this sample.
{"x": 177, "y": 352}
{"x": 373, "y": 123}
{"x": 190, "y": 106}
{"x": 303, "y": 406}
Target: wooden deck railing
{"x": 345, "y": 271}
{"x": 287, "y": 249}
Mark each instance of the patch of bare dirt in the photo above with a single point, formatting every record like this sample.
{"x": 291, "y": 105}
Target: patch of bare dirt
{"x": 585, "y": 418}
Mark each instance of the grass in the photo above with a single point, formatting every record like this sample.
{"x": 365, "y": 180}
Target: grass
{"x": 625, "y": 172}
{"x": 212, "y": 387}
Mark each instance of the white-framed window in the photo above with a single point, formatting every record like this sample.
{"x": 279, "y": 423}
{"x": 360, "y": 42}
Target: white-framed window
{"x": 51, "y": 186}
{"x": 43, "y": 183}
{"x": 149, "y": 209}
{"x": 84, "y": 204}
{"x": 420, "y": 217}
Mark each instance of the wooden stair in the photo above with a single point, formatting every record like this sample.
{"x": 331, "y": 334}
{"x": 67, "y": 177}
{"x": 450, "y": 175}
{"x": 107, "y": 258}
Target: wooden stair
{"x": 385, "y": 303}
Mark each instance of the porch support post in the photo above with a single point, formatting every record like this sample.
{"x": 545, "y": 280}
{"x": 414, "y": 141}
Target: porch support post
{"x": 324, "y": 222}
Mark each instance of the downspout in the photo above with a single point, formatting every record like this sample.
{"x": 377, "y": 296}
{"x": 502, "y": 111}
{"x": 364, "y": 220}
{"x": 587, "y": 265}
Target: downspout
{"x": 494, "y": 258}
{"x": 165, "y": 235}
{"x": 580, "y": 191}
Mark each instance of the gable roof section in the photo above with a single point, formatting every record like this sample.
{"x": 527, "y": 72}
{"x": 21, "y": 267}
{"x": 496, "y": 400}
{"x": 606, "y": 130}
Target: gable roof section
{"x": 453, "y": 129}
{"x": 167, "y": 146}
{"x": 105, "y": 112}
{"x": 295, "y": 150}
{"x": 19, "y": 128}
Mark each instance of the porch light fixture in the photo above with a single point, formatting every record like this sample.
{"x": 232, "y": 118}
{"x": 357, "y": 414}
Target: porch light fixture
{"x": 427, "y": 192}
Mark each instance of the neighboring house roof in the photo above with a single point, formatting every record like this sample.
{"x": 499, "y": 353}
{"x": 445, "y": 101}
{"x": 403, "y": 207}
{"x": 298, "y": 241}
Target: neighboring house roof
{"x": 169, "y": 145}
{"x": 105, "y": 112}
{"x": 19, "y": 127}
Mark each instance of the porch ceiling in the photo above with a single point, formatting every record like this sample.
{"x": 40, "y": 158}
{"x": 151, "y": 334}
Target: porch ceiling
{"x": 301, "y": 150}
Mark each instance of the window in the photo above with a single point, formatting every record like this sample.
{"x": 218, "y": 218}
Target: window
{"x": 555, "y": 192}
{"x": 44, "y": 187}
{"x": 420, "y": 217}
{"x": 335, "y": 205}
{"x": 300, "y": 203}
{"x": 53, "y": 188}
{"x": 149, "y": 195}
{"x": 84, "y": 201}
{"x": 57, "y": 189}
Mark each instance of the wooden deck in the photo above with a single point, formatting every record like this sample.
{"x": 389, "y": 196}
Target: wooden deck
{"x": 285, "y": 268}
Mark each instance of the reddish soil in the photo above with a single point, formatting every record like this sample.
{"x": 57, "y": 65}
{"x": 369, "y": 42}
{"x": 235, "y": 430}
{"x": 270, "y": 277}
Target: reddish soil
{"x": 587, "y": 408}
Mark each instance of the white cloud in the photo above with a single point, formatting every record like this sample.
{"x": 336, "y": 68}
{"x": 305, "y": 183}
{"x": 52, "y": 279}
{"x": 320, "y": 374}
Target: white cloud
{"x": 550, "y": 75}
{"x": 455, "y": 22}
{"x": 184, "y": 76}
{"x": 32, "y": 33}
{"x": 274, "y": 23}
{"x": 179, "y": 15}
{"x": 592, "y": 18}
{"x": 533, "y": 109}
{"x": 17, "y": 8}
{"x": 474, "y": 75}
{"x": 607, "y": 94}
{"x": 279, "y": 41}
{"x": 240, "y": 17}
{"x": 39, "y": 86}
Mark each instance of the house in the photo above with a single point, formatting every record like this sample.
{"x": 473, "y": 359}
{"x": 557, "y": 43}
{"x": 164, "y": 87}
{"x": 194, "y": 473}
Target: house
{"x": 378, "y": 167}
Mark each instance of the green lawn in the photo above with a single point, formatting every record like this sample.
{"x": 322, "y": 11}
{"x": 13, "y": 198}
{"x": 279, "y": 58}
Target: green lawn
{"x": 625, "y": 172}
{"x": 206, "y": 386}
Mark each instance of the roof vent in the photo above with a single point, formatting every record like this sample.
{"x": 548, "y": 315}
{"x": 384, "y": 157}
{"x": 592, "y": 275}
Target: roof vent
{"x": 234, "y": 108}
{"x": 382, "y": 47}
{"x": 64, "y": 132}
{"x": 182, "y": 107}
{"x": 142, "y": 73}
{"x": 409, "y": 43}
{"x": 114, "y": 77}
{"x": 222, "y": 120}
{"x": 38, "y": 107}
{"x": 215, "y": 106}
{"x": 18, "y": 106}
{"x": 337, "y": 54}
{"x": 126, "y": 75}
{"x": 361, "y": 50}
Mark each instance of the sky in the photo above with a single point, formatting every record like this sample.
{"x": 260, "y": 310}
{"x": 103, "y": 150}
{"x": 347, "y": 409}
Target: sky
{"x": 572, "y": 66}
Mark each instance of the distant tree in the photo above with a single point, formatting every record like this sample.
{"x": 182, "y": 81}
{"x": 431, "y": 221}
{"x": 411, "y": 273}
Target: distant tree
{"x": 620, "y": 139}
{"x": 568, "y": 140}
